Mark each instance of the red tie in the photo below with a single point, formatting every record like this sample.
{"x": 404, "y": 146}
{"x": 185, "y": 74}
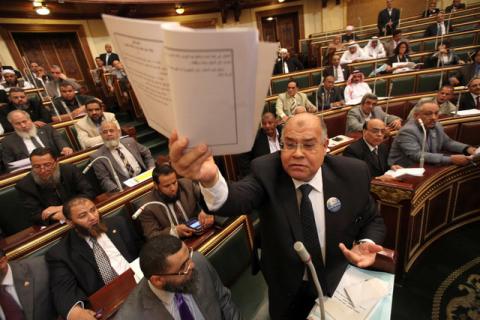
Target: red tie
{"x": 10, "y": 307}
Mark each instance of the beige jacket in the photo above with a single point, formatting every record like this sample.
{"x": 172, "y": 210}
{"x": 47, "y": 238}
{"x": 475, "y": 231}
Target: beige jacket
{"x": 87, "y": 132}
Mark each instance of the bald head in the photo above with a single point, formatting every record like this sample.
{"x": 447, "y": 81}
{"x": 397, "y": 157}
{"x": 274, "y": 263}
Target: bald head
{"x": 374, "y": 132}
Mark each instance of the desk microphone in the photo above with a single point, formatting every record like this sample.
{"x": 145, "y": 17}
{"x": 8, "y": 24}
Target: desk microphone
{"x": 305, "y": 257}
{"x": 115, "y": 176}
{"x": 390, "y": 88}
{"x": 422, "y": 155}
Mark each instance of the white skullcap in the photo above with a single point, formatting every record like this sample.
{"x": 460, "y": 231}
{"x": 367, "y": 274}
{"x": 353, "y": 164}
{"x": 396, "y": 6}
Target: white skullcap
{"x": 283, "y": 50}
{"x": 374, "y": 38}
{"x": 352, "y": 44}
{"x": 349, "y": 28}
{"x": 8, "y": 71}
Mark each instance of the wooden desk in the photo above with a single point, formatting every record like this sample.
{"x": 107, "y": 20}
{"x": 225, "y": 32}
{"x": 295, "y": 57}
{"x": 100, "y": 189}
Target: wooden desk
{"x": 419, "y": 210}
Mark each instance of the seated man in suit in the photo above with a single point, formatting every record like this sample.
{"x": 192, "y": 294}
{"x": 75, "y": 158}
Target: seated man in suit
{"x": 92, "y": 254}
{"x": 443, "y": 97}
{"x": 27, "y": 137}
{"x": 468, "y": 71}
{"x": 18, "y": 101}
{"x": 304, "y": 195}
{"x": 49, "y": 185}
{"x": 406, "y": 149}
{"x": 26, "y": 289}
{"x": 372, "y": 150}
{"x": 181, "y": 196}
{"x": 439, "y": 28}
{"x": 289, "y": 101}
{"x": 456, "y": 5}
{"x": 109, "y": 56}
{"x": 178, "y": 283}
{"x": 471, "y": 99}
{"x": 53, "y": 86}
{"x": 286, "y": 63}
{"x": 339, "y": 72}
{"x": 367, "y": 110}
{"x": 267, "y": 141}
{"x": 70, "y": 104}
{"x": 88, "y": 127}
{"x": 329, "y": 96}
{"x": 128, "y": 157}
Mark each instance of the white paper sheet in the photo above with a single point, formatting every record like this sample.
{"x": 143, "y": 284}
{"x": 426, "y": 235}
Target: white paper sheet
{"x": 19, "y": 164}
{"x": 135, "y": 266}
{"x": 468, "y": 112}
{"x": 417, "y": 172}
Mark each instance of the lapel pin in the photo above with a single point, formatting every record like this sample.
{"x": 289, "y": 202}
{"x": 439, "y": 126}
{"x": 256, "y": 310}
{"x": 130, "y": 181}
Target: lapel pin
{"x": 114, "y": 231}
{"x": 26, "y": 283}
{"x": 333, "y": 204}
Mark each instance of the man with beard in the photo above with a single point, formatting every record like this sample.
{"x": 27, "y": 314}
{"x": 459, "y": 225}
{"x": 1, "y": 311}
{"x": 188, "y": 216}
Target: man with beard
{"x": 128, "y": 157}
{"x": 181, "y": 196}
{"x": 92, "y": 254}
{"x": 69, "y": 105}
{"x": 58, "y": 78}
{"x": 11, "y": 81}
{"x": 178, "y": 284}
{"x": 27, "y": 137}
{"x": 49, "y": 185}
{"x": 88, "y": 127}
{"x": 19, "y": 101}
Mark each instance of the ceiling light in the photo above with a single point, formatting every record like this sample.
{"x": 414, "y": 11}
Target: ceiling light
{"x": 270, "y": 19}
{"x": 43, "y": 10}
{"x": 281, "y": 1}
{"x": 179, "y": 9}
{"x": 37, "y": 4}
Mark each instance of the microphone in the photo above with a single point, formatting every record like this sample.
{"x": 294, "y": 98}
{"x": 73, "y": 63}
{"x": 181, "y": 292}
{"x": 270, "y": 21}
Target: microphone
{"x": 422, "y": 155}
{"x": 458, "y": 103}
{"x": 140, "y": 210}
{"x": 388, "y": 101}
{"x": 305, "y": 257}
{"x": 115, "y": 176}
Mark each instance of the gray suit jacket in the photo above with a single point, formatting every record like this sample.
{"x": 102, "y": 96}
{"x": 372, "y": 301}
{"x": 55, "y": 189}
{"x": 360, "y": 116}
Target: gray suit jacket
{"x": 102, "y": 168}
{"x": 32, "y": 285}
{"x": 14, "y": 148}
{"x": 356, "y": 118}
{"x": 212, "y": 298}
{"x": 407, "y": 147}
{"x": 53, "y": 87}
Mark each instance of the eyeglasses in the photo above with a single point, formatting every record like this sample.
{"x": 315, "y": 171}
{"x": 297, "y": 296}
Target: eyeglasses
{"x": 184, "y": 268}
{"x": 48, "y": 165}
{"x": 293, "y": 146}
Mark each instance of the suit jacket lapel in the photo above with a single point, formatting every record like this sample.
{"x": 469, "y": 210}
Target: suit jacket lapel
{"x": 80, "y": 247}
{"x": 116, "y": 238}
{"x": 24, "y": 286}
{"x": 134, "y": 153}
{"x": 288, "y": 199}
{"x": 42, "y": 135}
{"x": 151, "y": 304}
{"x": 115, "y": 164}
{"x": 21, "y": 144}
{"x": 370, "y": 157}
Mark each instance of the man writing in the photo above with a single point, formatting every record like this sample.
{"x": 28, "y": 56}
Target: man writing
{"x": 306, "y": 196}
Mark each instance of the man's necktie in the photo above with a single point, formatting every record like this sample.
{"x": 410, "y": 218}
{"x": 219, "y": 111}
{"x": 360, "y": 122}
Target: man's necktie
{"x": 310, "y": 234}
{"x": 103, "y": 262}
{"x": 178, "y": 213}
{"x": 127, "y": 165}
{"x": 182, "y": 306}
{"x": 10, "y": 307}
{"x": 478, "y": 102}
{"x": 335, "y": 73}
{"x": 35, "y": 142}
{"x": 376, "y": 159}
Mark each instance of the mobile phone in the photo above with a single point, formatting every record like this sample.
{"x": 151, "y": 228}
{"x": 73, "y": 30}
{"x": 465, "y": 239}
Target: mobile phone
{"x": 195, "y": 225}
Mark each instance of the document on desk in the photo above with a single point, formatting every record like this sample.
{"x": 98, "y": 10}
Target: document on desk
{"x": 416, "y": 172}
{"x": 208, "y": 84}
{"x": 361, "y": 294}
{"x": 468, "y": 112}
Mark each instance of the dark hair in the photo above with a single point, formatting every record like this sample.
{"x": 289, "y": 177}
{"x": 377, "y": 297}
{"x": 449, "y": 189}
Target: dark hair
{"x": 15, "y": 89}
{"x": 445, "y": 43}
{"x": 67, "y": 206}
{"x": 161, "y": 170}
{"x": 65, "y": 84}
{"x": 154, "y": 254}
{"x": 292, "y": 80}
{"x": 447, "y": 86}
{"x": 396, "y": 32}
{"x": 397, "y": 48}
{"x": 92, "y": 101}
{"x": 370, "y": 96}
{"x": 42, "y": 151}
{"x": 98, "y": 58}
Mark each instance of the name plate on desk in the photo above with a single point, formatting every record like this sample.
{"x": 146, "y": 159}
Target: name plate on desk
{"x": 139, "y": 179}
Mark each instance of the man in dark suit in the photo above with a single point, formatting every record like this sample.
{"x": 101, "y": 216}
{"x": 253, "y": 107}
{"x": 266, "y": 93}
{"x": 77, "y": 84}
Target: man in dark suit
{"x": 468, "y": 71}
{"x": 70, "y": 104}
{"x": 471, "y": 99}
{"x": 128, "y": 158}
{"x": 371, "y": 148}
{"x": 306, "y": 196}
{"x": 456, "y": 5}
{"x": 49, "y": 185}
{"x": 438, "y": 28}
{"x": 388, "y": 19}
{"x": 181, "y": 196}
{"x": 286, "y": 63}
{"x": 18, "y": 101}
{"x": 108, "y": 57}
{"x": 27, "y": 137}
{"x": 178, "y": 284}
{"x": 92, "y": 254}
{"x": 339, "y": 72}
{"x": 266, "y": 141}
{"x": 26, "y": 287}
{"x": 329, "y": 96}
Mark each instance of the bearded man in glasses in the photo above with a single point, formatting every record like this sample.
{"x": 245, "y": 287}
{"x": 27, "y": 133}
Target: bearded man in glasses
{"x": 92, "y": 254}
{"x": 178, "y": 284}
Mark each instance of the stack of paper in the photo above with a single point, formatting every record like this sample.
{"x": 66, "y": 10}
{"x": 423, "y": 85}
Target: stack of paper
{"x": 208, "y": 84}
{"x": 144, "y": 176}
{"x": 417, "y": 172}
{"x": 468, "y": 112}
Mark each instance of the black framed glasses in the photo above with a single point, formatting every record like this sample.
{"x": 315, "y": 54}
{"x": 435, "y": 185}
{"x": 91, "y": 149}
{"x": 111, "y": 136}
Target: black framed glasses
{"x": 184, "y": 268}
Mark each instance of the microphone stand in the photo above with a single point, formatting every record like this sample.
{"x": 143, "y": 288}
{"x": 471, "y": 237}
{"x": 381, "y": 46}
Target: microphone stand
{"x": 448, "y": 22}
{"x": 422, "y": 155}
{"x": 388, "y": 101}
{"x": 375, "y": 70}
{"x": 399, "y": 18}
{"x": 305, "y": 257}
{"x": 458, "y": 103}
{"x": 115, "y": 176}
{"x": 140, "y": 210}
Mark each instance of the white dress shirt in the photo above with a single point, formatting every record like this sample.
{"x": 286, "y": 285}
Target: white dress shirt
{"x": 29, "y": 144}
{"x": 167, "y": 298}
{"x": 117, "y": 260}
{"x": 130, "y": 158}
{"x": 339, "y": 73}
{"x": 10, "y": 288}
{"x": 273, "y": 143}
